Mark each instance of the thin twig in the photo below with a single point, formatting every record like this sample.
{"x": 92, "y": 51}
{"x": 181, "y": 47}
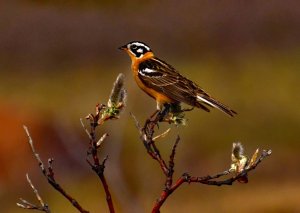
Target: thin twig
{"x": 49, "y": 174}
{"x": 39, "y": 198}
{"x": 101, "y": 139}
{"x": 162, "y": 135}
{"x": 27, "y": 205}
{"x": 136, "y": 122}
{"x": 85, "y": 129}
{"x": 30, "y": 141}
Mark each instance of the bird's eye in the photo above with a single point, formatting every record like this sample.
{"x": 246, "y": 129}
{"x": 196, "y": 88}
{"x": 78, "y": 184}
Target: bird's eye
{"x": 134, "y": 47}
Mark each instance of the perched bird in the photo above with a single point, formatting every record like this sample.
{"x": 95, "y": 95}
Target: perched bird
{"x": 164, "y": 83}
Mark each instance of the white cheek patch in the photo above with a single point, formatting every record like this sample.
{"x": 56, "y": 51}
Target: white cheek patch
{"x": 140, "y": 50}
{"x": 135, "y": 53}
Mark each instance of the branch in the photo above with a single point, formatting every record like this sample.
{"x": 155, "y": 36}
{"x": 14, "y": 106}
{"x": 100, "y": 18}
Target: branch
{"x": 241, "y": 165}
{"x": 147, "y": 135}
{"x": 169, "y": 179}
{"x": 27, "y": 205}
{"x": 104, "y": 113}
{"x": 96, "y": 166}
{"x": 49, "y": 174}
{"x": 113, "y": 109}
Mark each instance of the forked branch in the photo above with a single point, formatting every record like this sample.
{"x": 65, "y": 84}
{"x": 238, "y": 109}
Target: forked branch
{"x": 27, "y": 205}
{"x": 239, "y": 168}
{"x": 49, "y": 174}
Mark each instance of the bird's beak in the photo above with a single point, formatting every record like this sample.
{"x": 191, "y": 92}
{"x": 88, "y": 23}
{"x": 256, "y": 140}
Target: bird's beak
{"x": 124, "y": 47}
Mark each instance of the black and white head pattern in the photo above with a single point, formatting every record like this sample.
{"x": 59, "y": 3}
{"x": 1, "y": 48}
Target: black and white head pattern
{"x": 138, "y": 48}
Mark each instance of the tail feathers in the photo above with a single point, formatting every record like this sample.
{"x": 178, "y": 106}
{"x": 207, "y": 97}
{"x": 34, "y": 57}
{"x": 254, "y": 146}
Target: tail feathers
{"x": 199, "y": 105}
{"x": 216, "y": 104}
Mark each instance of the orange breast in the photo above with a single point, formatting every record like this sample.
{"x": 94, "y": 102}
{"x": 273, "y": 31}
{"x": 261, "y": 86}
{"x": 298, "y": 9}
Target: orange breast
{"x": 159, "y": 97}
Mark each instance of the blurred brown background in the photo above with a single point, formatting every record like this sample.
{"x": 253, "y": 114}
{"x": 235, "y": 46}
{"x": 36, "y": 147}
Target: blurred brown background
{"x": 58, "y": 59}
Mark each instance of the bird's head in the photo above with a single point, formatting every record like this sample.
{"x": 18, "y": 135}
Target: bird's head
{"x": 136, "y": 49}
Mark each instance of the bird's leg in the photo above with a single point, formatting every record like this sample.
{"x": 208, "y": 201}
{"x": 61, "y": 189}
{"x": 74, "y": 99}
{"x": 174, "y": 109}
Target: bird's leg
{"x": 162, "y": 114}
{"x": 154, "y": 114}
{"x": 159, "y": 108}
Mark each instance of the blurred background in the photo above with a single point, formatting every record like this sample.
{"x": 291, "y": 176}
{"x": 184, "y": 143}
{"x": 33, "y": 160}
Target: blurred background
{"x": 59, "y": 58}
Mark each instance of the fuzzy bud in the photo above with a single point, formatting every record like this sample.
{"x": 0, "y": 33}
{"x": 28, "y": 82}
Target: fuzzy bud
{"x": 118, "y": 93}
{"x": 239, "y": 161}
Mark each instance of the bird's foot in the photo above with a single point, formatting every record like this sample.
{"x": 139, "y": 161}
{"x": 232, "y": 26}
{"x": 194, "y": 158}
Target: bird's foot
{"x": 164, "y": 112}
{"x": 187, "y": 109}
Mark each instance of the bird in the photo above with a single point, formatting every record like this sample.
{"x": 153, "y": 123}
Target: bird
{"x": 164, "y": 83}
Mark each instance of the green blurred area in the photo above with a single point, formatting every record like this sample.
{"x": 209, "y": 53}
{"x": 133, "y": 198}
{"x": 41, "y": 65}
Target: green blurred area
{"x": 58, "y": 60}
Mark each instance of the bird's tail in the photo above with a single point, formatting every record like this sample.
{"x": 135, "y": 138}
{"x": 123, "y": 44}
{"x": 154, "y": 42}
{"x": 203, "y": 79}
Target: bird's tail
{"x": 216, "y": 104}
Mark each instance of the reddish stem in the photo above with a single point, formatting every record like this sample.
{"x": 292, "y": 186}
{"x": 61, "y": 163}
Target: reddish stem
{"x": 165, "y": 194}
{"x": 146, "y": 135}
{"x": 108, "y": 195}
{"x": 96, "y": 165}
